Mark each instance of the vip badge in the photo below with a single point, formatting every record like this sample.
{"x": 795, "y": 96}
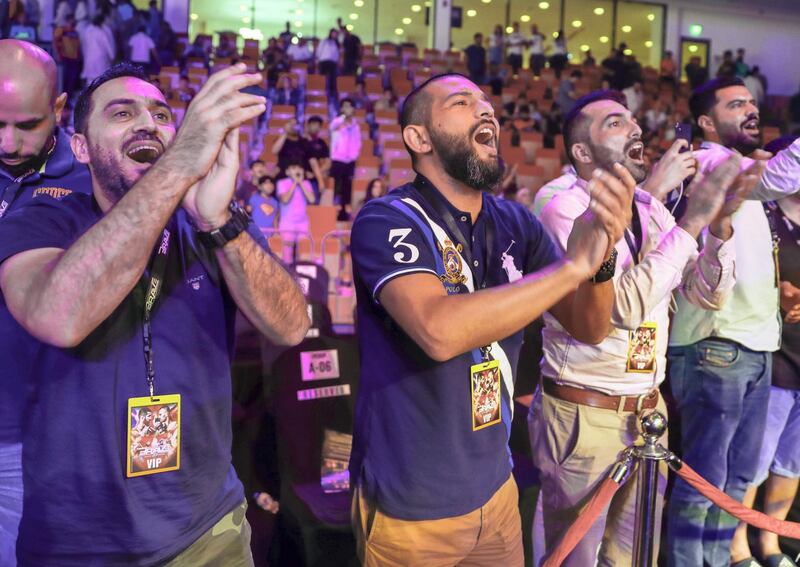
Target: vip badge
{"x": 452, "y": 264}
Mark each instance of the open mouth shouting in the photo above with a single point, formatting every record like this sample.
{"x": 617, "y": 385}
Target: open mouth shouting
{"x": 750, "y": 126}
{"x": 144, "y": 150}
{"x": 635, "y": 152}
{"x": 486, "y": 136}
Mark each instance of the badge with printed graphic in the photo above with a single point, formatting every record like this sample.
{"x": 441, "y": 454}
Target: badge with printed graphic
{"x": 486, "y": 394}
{"x": 642, "y": 349}
{"x": 154, "y": 435}
{"x": 452, "y": 263}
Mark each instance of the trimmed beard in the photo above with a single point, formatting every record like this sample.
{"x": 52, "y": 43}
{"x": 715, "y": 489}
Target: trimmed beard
{"x": 461, "y": 161}
{"x": 605, "y": 158}
{"x": 108, "y": 172}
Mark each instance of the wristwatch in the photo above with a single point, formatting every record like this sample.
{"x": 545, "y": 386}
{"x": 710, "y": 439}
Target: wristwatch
{"x": 219, "y": 237}
{"x": 607, "y": 268}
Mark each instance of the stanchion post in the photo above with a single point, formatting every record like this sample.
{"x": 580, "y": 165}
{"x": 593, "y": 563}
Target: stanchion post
{"x": 654, "y": 425}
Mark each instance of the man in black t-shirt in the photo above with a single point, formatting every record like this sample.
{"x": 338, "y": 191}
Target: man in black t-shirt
{"x": 319, "y": 154}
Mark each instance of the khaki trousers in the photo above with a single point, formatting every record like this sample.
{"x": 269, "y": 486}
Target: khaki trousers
{"x": 489, "y": 536}
{"x": 575, "y": 447}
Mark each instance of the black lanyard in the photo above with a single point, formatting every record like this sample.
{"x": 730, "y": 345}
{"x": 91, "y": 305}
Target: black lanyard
{"x": 635, "y": 242}
{"x": 158, "y": 267}
{"x": 424, "y": 187}
{"x": 16, "y": 190}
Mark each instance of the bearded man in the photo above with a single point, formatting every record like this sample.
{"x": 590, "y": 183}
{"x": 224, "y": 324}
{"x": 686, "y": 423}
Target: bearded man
{"x": 585, "y": 413}
{"x": 441, "y": 315}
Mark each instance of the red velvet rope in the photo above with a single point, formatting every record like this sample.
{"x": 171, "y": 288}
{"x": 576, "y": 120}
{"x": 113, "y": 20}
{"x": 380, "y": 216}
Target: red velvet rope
{"x": 735, "y": 508}
{"x": 585, "y": 521}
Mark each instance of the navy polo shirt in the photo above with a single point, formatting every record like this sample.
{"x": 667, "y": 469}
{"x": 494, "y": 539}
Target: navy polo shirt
{"x": 79, "y": 507}
{"x": 414, "y": 449}
{"x": 61, "y": 175}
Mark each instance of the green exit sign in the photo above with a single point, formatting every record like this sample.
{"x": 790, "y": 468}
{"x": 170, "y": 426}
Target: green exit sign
{"x": 695, "y": 30}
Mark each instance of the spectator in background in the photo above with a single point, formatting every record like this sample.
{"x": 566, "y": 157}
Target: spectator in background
{"x": 351, "y": 45}
{"x": 742, "y": 68}
{"x": 286, "y": 36}
{"x": 614, "y": 69}
{"x": 558, "y": 59}
{"x": 345, "y": 149}
{"x": 167, "y": 45}
{"x": 328, "y": 59}
{"x": 185, "y": 91}
{"x": 21, "y": 29}
{"x": 153, "y": 21}
{"x": 197, "y": 51}
{"x": 566, "y": 91}
{"x": 476, "y": 60}
{"x": 226, "y": 48}
{"x": 294, "y": 195}
{"x": 319, "y": 155}
{"x": 287, "y": 91}
{"x": 667, "y": 69}
{"x": 515, "y": 43}
{"x": 82, "y": 18}
{"x": 299, "y": 52}
{"x": 496, "y": 46}
{"x": 728, "y": 66}
{"x": 143, "y": 51}
{"x": 276, "y": 61}
{"x": 387, "y": 101}
{"x": 33, "y": 14}
{"x": 755, "y": 87}
{"x": 375, "y": 188}
{"x": 263, "y": 206}
{"x": 536, "y": 43}
{"x": 67, "y": 51}
{"x": 98, "y": 49}
{"x": 588, "y": 59}
{"x": 498, "y": 78}
{"x": 696, "y": 73}
{"x": 634, "y": 94}
{"x": 291, "y": 147}
{"x": 249, "y": 184}
{"x": 524, "y": 122}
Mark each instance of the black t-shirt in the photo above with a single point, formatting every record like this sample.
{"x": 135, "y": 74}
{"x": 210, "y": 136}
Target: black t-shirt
{"x": 318, "y": 149}
{"x": 786, "y": 362}
{"x": 292, "y": 151}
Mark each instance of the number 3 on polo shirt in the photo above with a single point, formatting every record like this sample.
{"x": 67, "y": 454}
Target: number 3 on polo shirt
{"x": 154, "y": 435}
{"x": 408, "y": 252}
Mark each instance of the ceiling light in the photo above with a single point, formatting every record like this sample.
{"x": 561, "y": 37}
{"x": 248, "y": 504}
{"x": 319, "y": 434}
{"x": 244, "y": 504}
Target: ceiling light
{"x": 584, "y": 48}
{"x": 695, "y": 30}
{"x": 628, "y": 51}
{"x": 415, "y": 8}
{"x": 648, "y": 43}
{"x": 406, "y": 21}
{"x": 576, "y": 23}
{"x": 599, "y": 11}
{"x": 603, "y": 39}
{"x": 295, "y": 41}
{"x": 692, "y": 49}
{"x": 358, "y": 3}
{"x": 353, "y": 16}
{"x": 246, "y": 20}
{"x": 298, "y": 12}
{"x": 651, "y": 17}
{"x": 298, "y": 24}
{"x": 626, "y": 29}
{"x": 555, "y": 35}
{"x": 486, "y": 1}
{"x": 509, "y": 29}
{"x": 399, "y": 31}
{"x": 544, "y": 5}
{"x": 525, "y": 18}
{"x": 299, "y": 34}
{"x": 471, "y": 13}
{"x": 242, "y": 8}
{"x": 349, "y": 27}
{"x": 193, "y": 17}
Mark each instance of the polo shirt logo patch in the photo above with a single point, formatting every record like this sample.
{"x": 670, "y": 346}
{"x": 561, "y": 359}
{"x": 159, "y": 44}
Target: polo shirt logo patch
{"x": 195, "y": 282}
{"x": 508, "y": 265}
{"x": 452, "y": 263}
{"x": 57, "y": 193}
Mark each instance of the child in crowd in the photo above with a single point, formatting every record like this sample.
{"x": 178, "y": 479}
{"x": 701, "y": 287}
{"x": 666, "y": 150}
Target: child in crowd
{"x": 263, "y": 205}
{"x": 294, "y": 194}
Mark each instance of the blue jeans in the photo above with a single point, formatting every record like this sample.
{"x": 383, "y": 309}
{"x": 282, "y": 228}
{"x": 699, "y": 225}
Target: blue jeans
{"x": 10, "y": 501}
{"x": 722, "y": 391}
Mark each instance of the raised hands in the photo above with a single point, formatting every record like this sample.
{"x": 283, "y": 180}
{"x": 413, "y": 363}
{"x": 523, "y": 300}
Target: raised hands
{"x": 603, "y": 223}
{"x": 670, "y": 171}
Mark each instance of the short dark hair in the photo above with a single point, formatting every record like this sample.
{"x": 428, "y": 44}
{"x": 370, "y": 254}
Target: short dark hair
{"x": 315, "y": 118}
{"x": 575, "y": 119}
{"x": 417, "y": 106}
{"x": 265, "y": 178}
{"x": 347, "y": 99}
{"x": 256, "y": 162}
{"x": 83, "y": 108}
{"x": 704, "y": 97}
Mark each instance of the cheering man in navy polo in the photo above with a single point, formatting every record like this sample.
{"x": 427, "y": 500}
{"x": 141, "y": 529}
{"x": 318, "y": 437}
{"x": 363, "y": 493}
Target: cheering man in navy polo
{"x": 132, "y": 292}
{"x": 447, "y": 278}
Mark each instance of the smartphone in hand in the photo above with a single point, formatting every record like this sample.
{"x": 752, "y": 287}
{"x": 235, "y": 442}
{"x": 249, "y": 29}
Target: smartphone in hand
{"x": 683, "y": 131}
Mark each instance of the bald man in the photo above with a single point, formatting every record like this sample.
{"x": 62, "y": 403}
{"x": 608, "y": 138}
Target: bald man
{"x": 36, "y": 162}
